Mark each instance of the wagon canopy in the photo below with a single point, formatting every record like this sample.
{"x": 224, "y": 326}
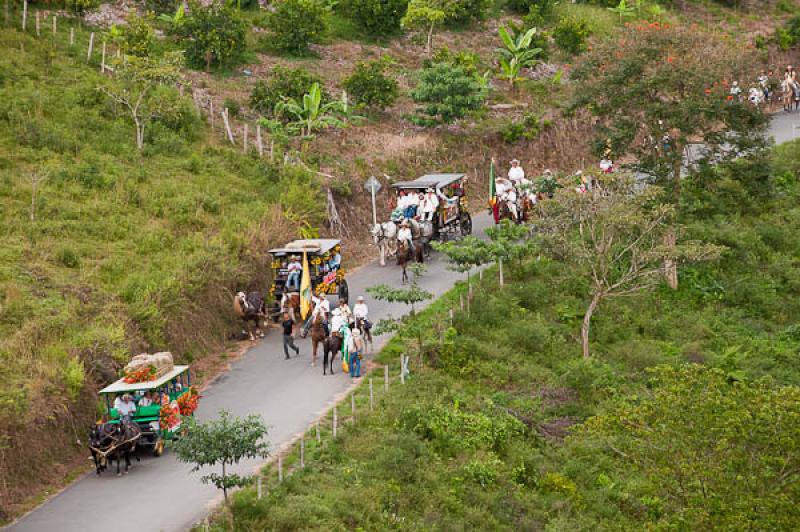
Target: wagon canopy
{"x": 437, "y": 181}
{"x": 121, "y": 386}
{"x": 313, "y": 246}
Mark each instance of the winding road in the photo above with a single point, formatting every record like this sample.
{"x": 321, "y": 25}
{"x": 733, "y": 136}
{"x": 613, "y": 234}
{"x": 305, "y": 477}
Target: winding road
{"x": 162, "y": 494}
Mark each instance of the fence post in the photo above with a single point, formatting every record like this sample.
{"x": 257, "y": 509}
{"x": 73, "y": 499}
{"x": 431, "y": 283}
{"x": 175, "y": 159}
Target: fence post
{"x": 451, "y": 316}
{"x": 211, "y": 111}
{"x": 244, "y": 144}
{"x": 72, "y": 36}
{"x": 280, "y": 468}
{"x": 103, "y": 59}
{"x": 259, "y": 143}
{"x": 302, "y": 452}
{"x": 386, "y": 378}
{"x": 319, "y": 438}
{"x": 259, "y": 486}
{"x": 55, "y": 22}
{"x": 500, "y": 267}
{"x": 334, "y": 422}
{"x": 402, "y": 373}
{"x": 353, "y": 406}
{"x": 371, "y": 395}
{"x": 24, "y": 15}
{"x": 461, "y": 302}
{"x": 91, "y": 45}
{"x": 228, "y": 126}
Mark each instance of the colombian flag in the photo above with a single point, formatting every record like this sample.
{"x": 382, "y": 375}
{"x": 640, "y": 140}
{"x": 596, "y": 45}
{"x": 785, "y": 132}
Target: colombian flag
{"x": 492, "y": 199}
{"x": 305, "y": 289}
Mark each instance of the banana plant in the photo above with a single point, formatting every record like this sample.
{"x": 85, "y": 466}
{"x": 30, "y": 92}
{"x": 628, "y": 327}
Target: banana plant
{"x": 311, "y": 113}
{"x": 176, "y": 19}
{"x": 516, "y": 53}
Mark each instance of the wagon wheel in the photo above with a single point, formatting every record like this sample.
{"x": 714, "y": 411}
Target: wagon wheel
{"x": 466, "y": 224}
{"x": 158, "y": 448}
{"x": 344, "y": 291}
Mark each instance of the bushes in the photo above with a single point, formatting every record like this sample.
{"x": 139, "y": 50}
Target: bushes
{"x": 161, "y": 6}
{"x": 447, "y": 92}
{"x": 570, "y": 34}
{"x": 295, "y": 24}
{"x": 212, "y": 36}
{"x": 527, "y": 128}
{"x": 369, "y": 85}
{"x": 79, "y": 6}
{"x": 376, "y": 17}
{"x": 789, "y": 34}
{"x": 282, "y": 83}
{"x": 138, "y": 37}
{"x": 543, "y": 7}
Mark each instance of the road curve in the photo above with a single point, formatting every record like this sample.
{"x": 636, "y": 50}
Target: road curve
{"x": 160, "y": 494}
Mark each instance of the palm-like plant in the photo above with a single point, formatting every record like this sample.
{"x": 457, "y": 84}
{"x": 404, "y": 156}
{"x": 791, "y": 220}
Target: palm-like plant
{"x": 623, "y": 10}
{"x": 516, "y": 54}
{"x": 311, "y": 113}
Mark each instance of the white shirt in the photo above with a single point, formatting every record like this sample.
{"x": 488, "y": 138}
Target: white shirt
{"x": 430, "y": 203}
{"x": 323, "y": 306}
{"x": 124, "y": 408}
{"x": 404, "y": 234}
{"x": 145, "y": 401}
{"x": 360, "y": 311}
{"x": 605, "y": 164}
{"x": 412, "y": 200}
{"x": 337, "y": 322}
{"x": 516, "y": 174}
{"x": 402, "y": 201}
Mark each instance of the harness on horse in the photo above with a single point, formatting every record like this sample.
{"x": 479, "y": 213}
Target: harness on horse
{"x": 117, "y": 443}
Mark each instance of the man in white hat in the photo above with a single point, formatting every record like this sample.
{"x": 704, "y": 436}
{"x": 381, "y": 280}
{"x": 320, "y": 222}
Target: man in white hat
{"x": 338, "y": 321}
{"x": 360, "y": 312}
{"x": 516, "y": 174}
{"x": 125, "y": 407}
{"x": 429, "y": 205}
{"x": 405, "y": 235}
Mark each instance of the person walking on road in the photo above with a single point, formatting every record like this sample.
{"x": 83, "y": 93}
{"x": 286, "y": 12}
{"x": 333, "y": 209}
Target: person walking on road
{"x": 288, "y": 337}
{"x": 355, "y": 350}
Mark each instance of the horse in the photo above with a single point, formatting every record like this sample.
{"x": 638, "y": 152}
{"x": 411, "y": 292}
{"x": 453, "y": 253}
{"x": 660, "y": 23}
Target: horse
{"x": 250, "y": 308}
{"x": 790, "y": 93}
{"x": 422, "y": 233}
{"x": 526, "y": 208}
{"x": 113, "y": 441}
{"x": 404, "y": 256}
{"x": 366, "y": 330}
{"x": 384, "y": 236}
{"x": 330, "y": 345}
{"x": 504, "y": 212}
{"x": 317, "y": 337}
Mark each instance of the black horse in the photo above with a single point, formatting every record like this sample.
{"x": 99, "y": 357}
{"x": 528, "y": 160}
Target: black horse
{"x": 113, "y": 441}
{"x": 332, "y": 344}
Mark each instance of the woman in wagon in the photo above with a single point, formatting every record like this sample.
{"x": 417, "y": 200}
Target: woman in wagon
{"x": 429, "y": 205}
{"x": 404, "y": 235}
{"x": 125, "y": 407}
{"x": 295, "y": 273}
{"x": 411, "y": 204}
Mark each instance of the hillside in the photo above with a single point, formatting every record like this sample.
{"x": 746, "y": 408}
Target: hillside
{"x": 108, "y": 251}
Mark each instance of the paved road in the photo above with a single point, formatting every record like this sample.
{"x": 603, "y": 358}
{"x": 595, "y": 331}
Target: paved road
{"x": 161, "y": 494}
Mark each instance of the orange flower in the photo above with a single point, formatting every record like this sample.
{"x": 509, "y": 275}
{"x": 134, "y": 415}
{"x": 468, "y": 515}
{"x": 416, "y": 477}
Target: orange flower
{"x": 670, "y": 59}
{"x": 708, "y": 91}
{"x": 730, "y": 97}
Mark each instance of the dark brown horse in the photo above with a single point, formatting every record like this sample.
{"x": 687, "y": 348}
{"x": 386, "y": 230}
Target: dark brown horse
{"x": 250, "y": 308}
{"x": 330, "y": 345}
{"x": 317, "y": 337}
{"x": 366, "y": 330}
{"x": 404, "y": 256}
{"x": 113, "y": 441}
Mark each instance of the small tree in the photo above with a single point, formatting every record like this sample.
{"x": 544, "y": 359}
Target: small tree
{"x": 425, "y": 15}
{"x": 447, "y": 93}
{"x": 370, "y": 86}
{"x": 615, "y": 240}
{"x": 135, "y": 86}
{"x": 296, "y": 23}
{"x": 411, "y": 296}
{"x": 465, "y": 254}
{"x": 223, "y": 442}
{"x": 282, "y": 84}
{"x": 311, "y": 114}
{"x": 516, "y": 53}
{"x": 378, "y": 18}
{"x": 213, "y": 35}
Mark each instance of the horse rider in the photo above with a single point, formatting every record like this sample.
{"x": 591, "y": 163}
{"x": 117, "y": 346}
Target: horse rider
{"x": 736, "y": 92}
{"x": 347, "y": 314}
{"x": 295, "y": 272}
{"x": 405, "y": 235}
{"x": 338, "y": 322}
{"x": 430, "y": 204}
{"x": 125, "y": 407}
{"x": 763, "y": 82}
{"x": 322, "y": 307}
{"x": 516, "y": 174}
{"x": 361, "y": 314}
{"x": 506, "y": 193}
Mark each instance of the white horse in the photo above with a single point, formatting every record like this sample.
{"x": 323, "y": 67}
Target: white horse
{"x": 384, "y": 235}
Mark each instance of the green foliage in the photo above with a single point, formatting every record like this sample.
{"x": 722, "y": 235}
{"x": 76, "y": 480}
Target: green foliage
{"x": 310, "y": 113}
{"x": 378, "y": 18}
{"x": 213, "y": 35}
{"x": 79, "y": 6}
{"x": 463, "y": 12}
{"x": 447, "y": 93}
{"x": 516, "y": 53}
{"x": 570, "y": 34}
{"x": 222, "y": 442}
{"x": 294, "y": 24}
{"x": 788, "y": 35}
{"x": 282, "y": 84}
{"x": 161, "y": 6}
{"x": 527, "y": 128}
{"x": 138, "y": 36}
{"x": 542, "y": 7}
{"x": 369, "y": 85}
{"x": 233, "y": 107}
{"x": 425, "y": 16}
{"x": 73, "y": 377}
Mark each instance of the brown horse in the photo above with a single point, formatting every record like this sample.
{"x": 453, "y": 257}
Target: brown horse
{"x": 317, "y": 337}
{"x": 330, "y": 346}
{"x": 250, "y": 308}
{"x": 404, "y": 256}
{"x": 114, "y": 441}
{"x": 526, "y": 208}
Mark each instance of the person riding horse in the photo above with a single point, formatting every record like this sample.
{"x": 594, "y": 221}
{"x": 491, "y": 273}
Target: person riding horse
{"x": 405, "y": 235}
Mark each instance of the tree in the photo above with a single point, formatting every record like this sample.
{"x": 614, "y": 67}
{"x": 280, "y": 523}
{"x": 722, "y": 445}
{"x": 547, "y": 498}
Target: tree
{"x": 615, "y": 239}
{"x": 135, "y": 86}
{"x": 211, "y": 35}
{"x": 508, "y": 242}
{"x": 425, "y": 15}
{"x": 378, "y": 18}
{"x": 311, "y": 113}
{"x": 281, "y": 84}
{"x": 370, "y": 86}
{"x": 411, "y": 296}
{"x": 465, "y": 254}
{"x": 516, "y": 53}
{"x": 296, "y": 23}
{"x": 448, "y": 92}
{"x": 222, "y": 442}
{"x": 663, "y": 87}
{"x": 714, "y": 453}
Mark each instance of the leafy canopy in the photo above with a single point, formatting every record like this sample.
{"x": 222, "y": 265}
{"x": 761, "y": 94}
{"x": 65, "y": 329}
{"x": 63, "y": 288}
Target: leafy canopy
{"x": 294, "y": 24}
{"x": 369, "y": 85}
{"x": 447, "y": 93}
{"x": 212, "y": 35}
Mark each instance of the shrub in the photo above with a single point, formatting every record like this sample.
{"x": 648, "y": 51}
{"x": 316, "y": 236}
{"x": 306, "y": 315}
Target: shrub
{"x": 213, "y": 35}
{"x": 467, "y": 11}
{"x": 282, "y": 83}
{"x": 447, "y": 92}
{"x": 68, "y": 257}
{"x": 370, "y": 86}
{"x": 232, "y": 106}
{"x": 376, "y": 17}
{"x": 570, "y": 34}
{"x": 79, "y": 6}
{"x": 73, "y": 376}
{"x": 527, "y": 128}
{"x": 161, "y": 6}
{"x": 788, "y": 35}
{"x": 138, "y": 36}
{"x": 295, "y": 24}
{"x": 543, "y": 7}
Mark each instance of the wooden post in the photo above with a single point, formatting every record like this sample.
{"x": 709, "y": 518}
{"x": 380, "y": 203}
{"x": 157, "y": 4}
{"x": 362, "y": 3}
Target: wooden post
{"x": 119, "y": 54}
{"x": 259, "y": 486}
{"x": 211, "y": 111}
{"x": 500, "y": 267}
{"x": 72, "y": 36}
{"x": 55, "y": 22}
{"x": 451, "y": 316}
{"x": 259, "y": 143}
{"x": 334, "y": 422}
{"x": 302, "y": 452}
{"x": 371, "y": 395}
{"x": 103, "y": 59}
{"x": 280, "y": 468}
{"x": 91, "y": 45}
{"x": 353, "y": 406}
{"x": 319, "y": 438}
{"x": 38, "y": 27}
{"x": 461, "y": 301}
{"x": 386, "y": 378}
{"x": 228, "y": 126}
{"x": 402, "y": 373}
{"x": 480, "y": 274}
{"x": 24, "y": 15}
{"x": 244, "y": 144}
